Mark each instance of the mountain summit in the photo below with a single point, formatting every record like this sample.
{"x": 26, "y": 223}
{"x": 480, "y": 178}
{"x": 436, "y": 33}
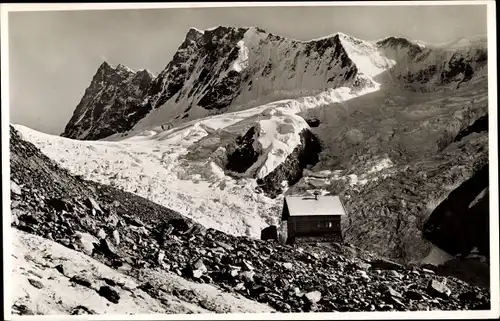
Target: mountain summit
{"x": 227, "y": 68}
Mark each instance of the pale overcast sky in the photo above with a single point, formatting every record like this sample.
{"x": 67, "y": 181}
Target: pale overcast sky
{"x": 54, "y": 55}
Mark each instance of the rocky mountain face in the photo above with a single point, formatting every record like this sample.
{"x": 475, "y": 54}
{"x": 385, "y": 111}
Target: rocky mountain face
{"x": 111, "y": 103}
{"x": 161, "y": 267}
{"x": 226, "y": 67}
{"x": 423, "y": 68}
{"x": 461, "y": 222}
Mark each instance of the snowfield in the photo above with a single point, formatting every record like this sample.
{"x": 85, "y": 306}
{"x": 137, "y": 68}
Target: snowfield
{"x": 41, "y": 288}
{"x": 152, "y": 169}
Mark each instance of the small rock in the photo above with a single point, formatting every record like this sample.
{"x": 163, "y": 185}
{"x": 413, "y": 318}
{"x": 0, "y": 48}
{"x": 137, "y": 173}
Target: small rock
{"x": 60, "y": 205}
{"x": 116, "y": 237}
{"x": 85, "y": 242}
{"x": 414, "y": 295}
{"x": 197, "y": 274}
{"x": 248, "y": 276}
{"x": 14, "y": 188}
{"x": 428, "y": 271}
{"x": 101, "y": 234}
{"x": 224, "y": 246}
{"x": 15, "y": 220}
{"x": 240, "y": 286}
{"x": 195, "y": 270}
{"x": 112, "y": 220}
{"x": 313, "y": 297}
{"x": 136, "y": 222}
{"x": 363, "y": 275}
{"x": 109, "y": 282}
{"x": 234, "y": 272}
{"x": 80, "y": 280}
{"x": 288, "y": 265}
{"x": 395, "y": 274}
{"x": 109, "y": 293}
{"x": 60, "y": 268}
{"x": 199, "y": 265}
{"x": 160, "y": 257}
{"x": 81, "y": 310}
{"x": 438, "y": 289}
{"x": 37, "y": 284}
{"x": 387, "y": 290}
{"x": 246, "y": 266}
{"x": 386, "y": 264}
{"x": 93, "y": 205}
{"x": 107, "y": 248}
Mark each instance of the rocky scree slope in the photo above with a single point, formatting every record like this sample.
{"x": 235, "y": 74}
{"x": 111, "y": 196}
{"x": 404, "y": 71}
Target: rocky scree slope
{"x": 143, "y": 240}
{"x": 389, "y": 209}
{"x": 51, "y": 278}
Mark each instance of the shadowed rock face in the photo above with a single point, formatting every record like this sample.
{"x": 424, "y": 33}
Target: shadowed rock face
{"x": 307, "y": 153}
{"x": 461, "y": 221}
{"x": 480, "y": 125}
{"x": 111, "y": 104}
{"x": 245, "y": 155}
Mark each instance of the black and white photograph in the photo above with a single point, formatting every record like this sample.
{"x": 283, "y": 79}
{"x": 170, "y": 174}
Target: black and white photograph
{"x": 329, "y": 160}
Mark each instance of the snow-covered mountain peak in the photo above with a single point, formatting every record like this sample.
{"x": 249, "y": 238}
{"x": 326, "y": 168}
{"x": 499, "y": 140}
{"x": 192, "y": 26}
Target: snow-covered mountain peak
{"x": 228, "y": 69}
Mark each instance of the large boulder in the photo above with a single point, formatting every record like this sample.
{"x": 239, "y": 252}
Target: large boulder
{"x": 269, "y": 233}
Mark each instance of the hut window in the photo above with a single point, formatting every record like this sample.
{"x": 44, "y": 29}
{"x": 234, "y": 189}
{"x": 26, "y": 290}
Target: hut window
{"x": 330, "y": 225}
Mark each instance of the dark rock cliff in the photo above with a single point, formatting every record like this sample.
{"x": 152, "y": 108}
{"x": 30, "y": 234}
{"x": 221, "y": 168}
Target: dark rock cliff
{"x": 111, "y": 104}
{"x": 461, "y": 221}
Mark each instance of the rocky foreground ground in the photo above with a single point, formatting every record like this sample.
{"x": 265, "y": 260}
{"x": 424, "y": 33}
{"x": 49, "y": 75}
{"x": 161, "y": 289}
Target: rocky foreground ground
{"x": 157, "y": 247}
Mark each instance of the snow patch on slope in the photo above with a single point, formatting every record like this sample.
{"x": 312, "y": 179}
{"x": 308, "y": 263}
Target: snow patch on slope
{"x": 35, "y": 258}
{"x": 277, "y": 136}
{"x": 241, "y": 62}
{"x": 365, "y": 56}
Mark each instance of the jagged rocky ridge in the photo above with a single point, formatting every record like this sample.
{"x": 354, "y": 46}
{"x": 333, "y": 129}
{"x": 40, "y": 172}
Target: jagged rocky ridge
{"x": 112, "y": 103}
{"x": 224, "y": 68}
{"x": 121, "y": 230}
